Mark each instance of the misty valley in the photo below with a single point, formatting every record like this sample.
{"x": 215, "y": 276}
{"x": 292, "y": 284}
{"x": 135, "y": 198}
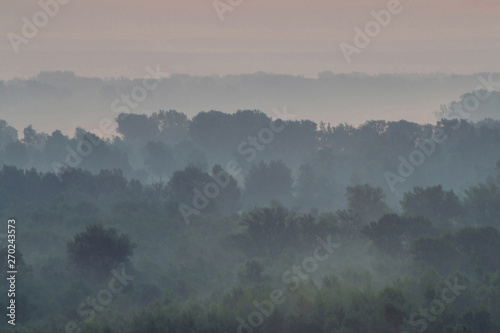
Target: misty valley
{"x": 244, "y": 222}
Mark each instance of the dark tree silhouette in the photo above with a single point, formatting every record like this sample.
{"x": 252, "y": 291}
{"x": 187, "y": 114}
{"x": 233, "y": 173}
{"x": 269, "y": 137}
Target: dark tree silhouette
{"x": 97, "y": 251}
{"x": 366, "y": 202}
{"x": 270, "y": 228}
{"x": 482, "y": 205}
{"x": 432, "y": 202}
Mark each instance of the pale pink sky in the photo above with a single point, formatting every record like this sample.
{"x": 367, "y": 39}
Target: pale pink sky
{"x": 111, "y": 38}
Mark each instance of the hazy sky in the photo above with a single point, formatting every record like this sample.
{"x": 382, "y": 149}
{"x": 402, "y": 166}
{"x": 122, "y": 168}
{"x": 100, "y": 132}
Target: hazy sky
{"x": 111, "y": 38}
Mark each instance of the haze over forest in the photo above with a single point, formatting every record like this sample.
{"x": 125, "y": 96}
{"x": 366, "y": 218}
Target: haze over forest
{"x": 250, "y": 166}
{"x": 64, "y": 101}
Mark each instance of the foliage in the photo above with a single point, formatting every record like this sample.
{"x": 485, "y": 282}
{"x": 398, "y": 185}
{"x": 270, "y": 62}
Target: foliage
{"x": 367, "y": 202}
{"x": 97, "y": 251}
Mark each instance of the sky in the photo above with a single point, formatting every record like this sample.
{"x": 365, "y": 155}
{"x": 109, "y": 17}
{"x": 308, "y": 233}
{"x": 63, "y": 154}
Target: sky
{"x": 111, "y": 38}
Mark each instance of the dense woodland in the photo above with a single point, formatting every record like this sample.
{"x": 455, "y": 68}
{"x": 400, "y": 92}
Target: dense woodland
{"x": 213, "y": 225}
{"x": 322, "y": 160}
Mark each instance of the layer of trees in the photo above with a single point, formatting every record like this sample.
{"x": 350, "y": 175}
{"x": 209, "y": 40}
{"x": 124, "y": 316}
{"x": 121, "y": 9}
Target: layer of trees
{"x": 78, "y": 234}
{"x": 182, "y": 225}
{"x": 323, "y": 159}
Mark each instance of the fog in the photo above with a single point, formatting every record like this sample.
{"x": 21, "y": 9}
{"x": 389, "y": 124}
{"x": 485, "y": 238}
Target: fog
{"x": 250, "y": 166}
{"x": 209, "y": 221}
{"x": 64, "y": 101}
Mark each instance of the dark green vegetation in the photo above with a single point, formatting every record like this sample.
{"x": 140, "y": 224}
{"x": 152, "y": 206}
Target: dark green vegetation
{"x": 322, "y": 160}
{"x": 105, "y": 252}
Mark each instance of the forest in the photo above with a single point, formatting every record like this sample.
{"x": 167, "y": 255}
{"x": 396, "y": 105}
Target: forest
{"x": 249, "y": 223}
{"x": 237, "y": 166}
{"x": 246, "y": 223}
